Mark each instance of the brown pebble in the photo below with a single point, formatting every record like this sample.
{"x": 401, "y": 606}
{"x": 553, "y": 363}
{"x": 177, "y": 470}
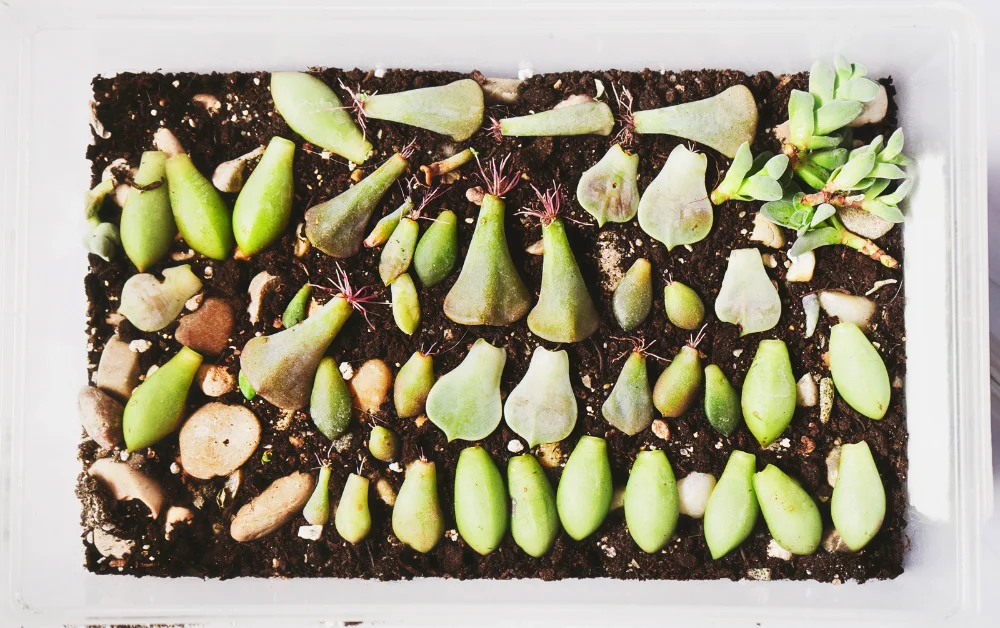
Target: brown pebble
{"x": 207, "y": 330}
{"x": 661, "y": 429}
{"x": 808, "y": 446}
{"x": 101, "y": 416}
{"x": 370, "y": 385}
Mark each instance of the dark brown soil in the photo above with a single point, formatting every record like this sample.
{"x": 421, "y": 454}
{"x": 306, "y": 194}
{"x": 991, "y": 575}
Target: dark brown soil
{"x": 132, "y": 106}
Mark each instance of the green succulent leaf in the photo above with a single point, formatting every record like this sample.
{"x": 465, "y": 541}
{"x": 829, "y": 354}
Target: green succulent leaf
{"x": 836, "y": 114}
{"x": 856, "y": 169}
{"x": 822, "y": 212}
{"x": 887, "y": 171}
{"x": 761, "y": 188}
{"x": 822, "y": 79}
{"x": 894, "y": 146}
{"x": 781, "y": 212}
{"x": 800, "y": 117}
{"x": 742, "y": 163}
{"x": 831, "y": 158}
{"x": 819, "y": 142}
{"x": 883, "y": 211}
{"x": 876, "y": 188}
{"x": 844, "y": 67}
{"x": 814, "y": 239}
{"x": 858, "y": 89}
{"x": 897, "y": 196}
{"x": 775, "y": 166}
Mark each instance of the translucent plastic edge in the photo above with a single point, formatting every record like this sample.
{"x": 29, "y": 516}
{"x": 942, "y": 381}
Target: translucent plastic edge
{"x": 969, "y": 358}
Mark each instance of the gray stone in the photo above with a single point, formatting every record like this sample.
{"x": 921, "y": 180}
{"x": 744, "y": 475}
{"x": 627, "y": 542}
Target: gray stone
{"x": 273, "y": 508}
{"x": 100, "y": 415}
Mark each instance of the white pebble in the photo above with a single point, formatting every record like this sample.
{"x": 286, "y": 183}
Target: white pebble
{"x": 139, "y": 346}
{"x": 379, "y": 72}
{"x": 525, "y": 73}
{"x": 175, "y": 468}
{"x": 346, "y": 370}
{"x": 310, "y": 533}
{"x": 737, "y": 353}
{"x": 515, "y": 446}
{"x": 776, "y": 551}
{"x": 693, "y": 491}
{"x": 395, "y": 467}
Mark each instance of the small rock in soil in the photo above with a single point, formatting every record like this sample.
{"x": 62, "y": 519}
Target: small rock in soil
{"x": 661, "y": 429}
{"x": 370, "y": 385}
{"x": 207, "y": 330}
{"x": 127, "y": 483}
{"x": 386, "y": 492}
{"x": 832, "y": 542}
{"x": 118, "y": 370}
{"x": 550, "y": 455}
{"x": 693, "y": 491}
{"x": 806, "y": 392}
{"x": 110, "y": 545}
{"x": 262, "y": 283}
{"x": 776, "y": 551}
{"x": 217, "y": 439}
{"x": 311, "y": 533}
{"x": 215, "y": 380}
{"x": 833, "y": 466}
{"x": 273, "y": 508}
{"x": 176, "y": 515}
{"x": 101, "y": 416}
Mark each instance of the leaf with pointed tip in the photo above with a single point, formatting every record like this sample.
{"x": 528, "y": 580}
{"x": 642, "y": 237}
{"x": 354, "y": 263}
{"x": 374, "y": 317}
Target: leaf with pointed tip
{"x": 629, "y": 407}
{"x": 894, "y": 146}
{"x": 608, "y": 190}
{"x": 822, "y": 77}
{"x": 542, "y": 407}
{"x": 844, "y": 67}
{"x": 831, "y": 158}
{"x": 814, "y": 239}
{"x": 836, "y": 114}
{"x": 747, "y": 297}
{"x": 858, "y": 89}
{"x": 897, "y": 196}
{"x": 775, "y": 166}
{"x": 633, "y": 297}
{"x": 743, "y": 162}
{"x": 801, "y": 122}
{"x": 824, "y": 211}
{"x": 760, "y": 188}
{"x": 883, "y": 211}
{"x": 465, "y": 402}
{"x": 856, "y": 169}
{"x": 819, "y": 142}
{"x": 675, "y": 208}
{"x": 901, "y": 160}
{"x": 876, "y": 188}
{"x": 887, "y": 171}
{"x": 455, "y": 109}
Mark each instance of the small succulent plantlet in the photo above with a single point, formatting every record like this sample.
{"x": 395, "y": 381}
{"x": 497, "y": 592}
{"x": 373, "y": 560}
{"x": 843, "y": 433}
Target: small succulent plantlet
{"x": 405, "y": 304}
{"x": 723, "y": 122}
{"x": 747, "y": 297}
{"x": 577, "y": 115}
{"x": 465, "y": 403}
{"x": 675, "y": 208}
{"x": 264, "y": 205}
{"x": 481, "y": 508}
{"x": 722, "y": 403}
{"x": 315, "y": 112}
{"x": 413, "y": 384}
{"x": 387, "y": 224}
{"x": 246, "y": 388}
{"x": 100, "y": 238}
{"x": 683, "y": 305}
{"x": 629, "y": 407}
{"x": 383, "y": 443}
{"x": 437, "y": 251}
{"x": 731, "y": 511}
{"x": 858, "y": 371}
{"x": 750, "y": 179}
{"x": 398, "y": 252}
{"x": 542, "y": 407}
{"x": 147, "y": 225}
{"x": 489, "y": 290}
{"x": 651, "y": 501}
{"x": 583, "y": 498}
{"x": 819, "y": 225}
{"x": 337, "y": 226}
{"x": 416, "y": 516}
{"x": 297, "y": 309}
{"x": 858, "y": 503}
{"x": 677, "y": 386}
{"x": 446, "y": 166}
{"x": 534, "y": 521}
{"x": 791, "y": 514}
{"x": 156, "y": 406}
{"x": 633, "y": 297}
{"x": 150, "y": 304}
{"x": 317, "y": 509}
{"x": 353, "y": 520}
{"x": 608, "y": 190}
{"x": 330, "y": 402}
{"x": 861, "y": 182}
{"x": 564, "y": 312}
{"x": 281, "y": 367}
{"x": 201, "y": 214}
{"x": 768, "y": 398}
{"x": 835, "y": 98}
{"x": 455, "y": 109}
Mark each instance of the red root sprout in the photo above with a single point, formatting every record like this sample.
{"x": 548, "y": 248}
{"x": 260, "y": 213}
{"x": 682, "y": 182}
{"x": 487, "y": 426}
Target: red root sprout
{"x": 357, "y": 105}
{"x": 429, "y": 196}
{"x": 627, "y": 133}
{"x": 494, "y": 130}
{"x": 551, "y": 201}
{"x": 407, "y": 151}
{"x": 696, "y": 340}
{"x": 358, "y": 298}
{"x": 495, "y": 179}
{"x": 638, "y": 346}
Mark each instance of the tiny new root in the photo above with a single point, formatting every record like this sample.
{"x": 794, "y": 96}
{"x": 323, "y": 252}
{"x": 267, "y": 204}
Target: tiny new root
{"x": 495, "y": 178}
{"x": 627, "y": 133}
{"x": 357, "y": 298}
{"x": 695, "y": 340}
{"x": 357, "y": 106}
{"x": 551, "y": 202}
{"x": 494, "y": 130}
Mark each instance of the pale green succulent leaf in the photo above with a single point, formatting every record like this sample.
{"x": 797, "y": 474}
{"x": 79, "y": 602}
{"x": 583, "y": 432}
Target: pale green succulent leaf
{"x": 856, "y": 169}
{"x": 822, "y": 212}
{"x": 858, "y": 88}
{"x": 814, "y": 239}
{"x": 801, "y": 123}
{"x": 822, "y": 79}
{"x": 819, "y": 142}
{"x": 900, "y": 193}
{"x": 894, "y": 146}
{"x": 831, "y": 158}
{"x": 835, "y": 114}
{"x": 876, "y": 188}
{"x": 884, "y": 211}
{"x": 761, "y": 188}
{"x": 775, "y": 166}
{"x": 887, "y": 171}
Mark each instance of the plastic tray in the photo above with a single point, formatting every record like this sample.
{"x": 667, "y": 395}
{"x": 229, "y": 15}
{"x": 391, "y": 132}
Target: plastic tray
{"x": 50, "y": 50}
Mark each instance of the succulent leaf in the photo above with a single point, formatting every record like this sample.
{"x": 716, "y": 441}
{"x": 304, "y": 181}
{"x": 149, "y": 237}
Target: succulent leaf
{"x": 675, "y": 208}
{"x": 465, "y": 403}
{"x": 542, "y": 407}
{"x": 629, "y": 407}
{"x": 608, "y": 190}
{"x": 747, "y": 297}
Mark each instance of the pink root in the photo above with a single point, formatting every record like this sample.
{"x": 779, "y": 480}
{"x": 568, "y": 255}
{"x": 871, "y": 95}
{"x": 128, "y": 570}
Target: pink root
{"x": 696, "y": 340}
{"x": 551, "y": 202}
{"x": 357, "y": 105}
{"x": 495, "y": 178}
{"x": 639, "y": 346}
{"x": 432, "y": 193}
{"x": 408, "y": 150}
{"x": 358, "y": 298}
{"x": 494, "y": 130}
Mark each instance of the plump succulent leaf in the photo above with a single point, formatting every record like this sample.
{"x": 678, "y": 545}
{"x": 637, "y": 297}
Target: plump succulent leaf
{"x": 455, "y": 109}
{"x": 675, "y": 208}
{"x": 723, "y": 122}
{"x": 542, "y": 407}
{"x": 633, "y": 297}
{"x": 747, "y": 297}
{"x": 465, "y": 402}
{"x": 608, "y": 190}
{"x": 629, "y": 407}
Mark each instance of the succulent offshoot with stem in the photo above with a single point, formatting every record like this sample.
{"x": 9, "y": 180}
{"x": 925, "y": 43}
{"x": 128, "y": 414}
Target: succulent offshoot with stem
{"x": 576, "y": 115}
{"x": 750, "y": 179}
{"x": 337, "y": 226}
{"x": 489, "y": 290}
{"x": 446, "y": 166}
